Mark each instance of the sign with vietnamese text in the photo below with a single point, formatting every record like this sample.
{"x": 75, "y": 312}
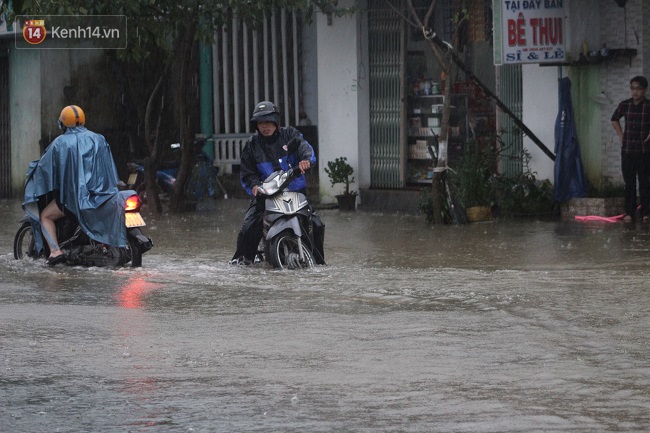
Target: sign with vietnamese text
{"x": 529, "y": 31}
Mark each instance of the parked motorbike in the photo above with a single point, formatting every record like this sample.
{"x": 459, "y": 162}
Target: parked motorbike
{"x": 204, "y": 178}
{"x": 288, "y": 241}
{"x": 165, "y": 176}
{"x": 79, "y": 249}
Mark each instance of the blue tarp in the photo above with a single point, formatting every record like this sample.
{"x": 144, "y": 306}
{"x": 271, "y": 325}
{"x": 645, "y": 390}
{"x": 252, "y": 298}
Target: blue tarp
{"x": 79, "y": 165}
{"x": 569, "y": 174}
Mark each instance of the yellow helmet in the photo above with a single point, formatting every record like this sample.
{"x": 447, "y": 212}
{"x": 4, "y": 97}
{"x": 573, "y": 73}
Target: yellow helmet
{"x": 71, "y": 116}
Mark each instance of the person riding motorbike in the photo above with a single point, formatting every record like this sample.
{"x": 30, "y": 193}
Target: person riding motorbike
{"x": 264, "y": 153}
{"x": 75, "y": 175}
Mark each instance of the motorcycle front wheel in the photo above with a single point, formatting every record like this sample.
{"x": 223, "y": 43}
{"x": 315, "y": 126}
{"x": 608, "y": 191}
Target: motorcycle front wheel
{"x": 24, "y": 245}
{"x": 284, "y": 252}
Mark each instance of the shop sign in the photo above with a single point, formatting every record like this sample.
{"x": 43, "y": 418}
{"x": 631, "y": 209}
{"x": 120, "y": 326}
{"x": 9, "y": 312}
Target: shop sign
{"x": 529, "y": 31}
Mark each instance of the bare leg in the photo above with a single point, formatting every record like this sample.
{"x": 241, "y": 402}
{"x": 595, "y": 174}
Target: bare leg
{"x": 50, "y": 214}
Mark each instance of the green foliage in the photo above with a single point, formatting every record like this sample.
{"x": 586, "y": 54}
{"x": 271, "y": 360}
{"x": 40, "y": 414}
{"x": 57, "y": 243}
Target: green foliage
{"x": 474, "y": 182}
{"x": 524, "y": 195}
{"x": 606, "y": 190}
{"x": 426, "y": 204}
{"x": 447, "y": 213}
{"x": 459, "y": 15}
{"x": 339, "y": 171}
{"x": 471, "y": 176}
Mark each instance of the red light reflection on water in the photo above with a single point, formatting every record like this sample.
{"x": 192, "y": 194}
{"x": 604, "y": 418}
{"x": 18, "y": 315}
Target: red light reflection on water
{"x": 133, "y": 291}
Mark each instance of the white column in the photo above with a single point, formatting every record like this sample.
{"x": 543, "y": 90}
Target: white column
{"x": 338, "y": 98}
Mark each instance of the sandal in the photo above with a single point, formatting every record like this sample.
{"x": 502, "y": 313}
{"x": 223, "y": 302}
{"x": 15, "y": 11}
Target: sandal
{"x": 53, "y": 261}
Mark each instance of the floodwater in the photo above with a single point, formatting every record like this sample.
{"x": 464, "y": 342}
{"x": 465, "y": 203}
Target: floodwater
{"x": 519, "y": 326}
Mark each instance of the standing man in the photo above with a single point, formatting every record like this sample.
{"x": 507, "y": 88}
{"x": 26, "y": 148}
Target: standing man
{"x": 635, "y": 148}
{"x": 265, "y": 152}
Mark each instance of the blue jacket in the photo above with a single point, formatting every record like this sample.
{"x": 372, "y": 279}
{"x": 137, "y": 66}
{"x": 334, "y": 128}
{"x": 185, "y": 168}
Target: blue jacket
{"x": 261, "y": 156}
{"x": 79, "y": 165}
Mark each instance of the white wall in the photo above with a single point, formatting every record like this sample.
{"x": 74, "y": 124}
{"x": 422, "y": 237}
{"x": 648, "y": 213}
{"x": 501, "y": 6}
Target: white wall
{"x": 362, "y": 174}
{"x": 24, "y": 113}
{"x": 540, "y": 107}
{"x": 338, "y": 107}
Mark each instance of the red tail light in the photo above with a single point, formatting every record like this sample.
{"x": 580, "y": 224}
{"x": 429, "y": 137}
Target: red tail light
{"x": 132, "y": 203}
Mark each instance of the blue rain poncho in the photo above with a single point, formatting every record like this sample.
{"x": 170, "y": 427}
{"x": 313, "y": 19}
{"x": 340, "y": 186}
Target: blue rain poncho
{"x": 568, "y": 175}
{"x": 79, "y": 165}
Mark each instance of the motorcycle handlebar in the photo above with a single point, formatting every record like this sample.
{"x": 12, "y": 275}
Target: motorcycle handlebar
{"x": 292, "y": 174}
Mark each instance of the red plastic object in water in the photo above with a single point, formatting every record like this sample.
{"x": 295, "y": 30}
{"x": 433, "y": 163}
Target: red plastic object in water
{"x": 600, "y": 218}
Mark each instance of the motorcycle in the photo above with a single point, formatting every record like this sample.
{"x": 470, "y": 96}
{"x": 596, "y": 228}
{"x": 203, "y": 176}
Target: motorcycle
{"x": 204, "y": 177}
{"x": 287, "y": 239}
{"x": 79, "y": 249}
{"x": 165, "y": 176}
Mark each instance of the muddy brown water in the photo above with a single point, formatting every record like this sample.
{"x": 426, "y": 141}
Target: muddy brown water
{"x": 510, "y": 326}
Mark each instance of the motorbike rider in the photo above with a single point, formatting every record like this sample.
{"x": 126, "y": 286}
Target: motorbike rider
{"x": 264, "y": 153}
{"x": 76, "y": 175}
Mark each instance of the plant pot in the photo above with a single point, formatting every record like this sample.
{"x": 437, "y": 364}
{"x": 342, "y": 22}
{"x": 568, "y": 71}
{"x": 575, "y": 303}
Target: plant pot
{"x": 347, "y": 202}
{"x": 479, "y": 213}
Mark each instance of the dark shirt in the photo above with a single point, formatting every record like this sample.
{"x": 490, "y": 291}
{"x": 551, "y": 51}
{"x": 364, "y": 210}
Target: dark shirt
{"x": 637, "y": 125}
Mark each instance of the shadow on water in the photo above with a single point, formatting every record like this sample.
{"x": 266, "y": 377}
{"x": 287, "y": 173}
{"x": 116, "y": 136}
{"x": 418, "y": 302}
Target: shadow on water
{"x": 507, "y": 326}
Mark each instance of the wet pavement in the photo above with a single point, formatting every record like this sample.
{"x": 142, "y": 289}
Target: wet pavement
{"x": 517, "y": 326}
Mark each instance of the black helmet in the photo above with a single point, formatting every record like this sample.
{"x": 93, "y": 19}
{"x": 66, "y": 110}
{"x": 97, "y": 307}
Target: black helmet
{"x": 265, "y": 111}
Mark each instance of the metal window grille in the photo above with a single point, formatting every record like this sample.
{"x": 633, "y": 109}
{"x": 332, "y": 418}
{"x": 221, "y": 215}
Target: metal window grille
{"x": 511, "y": 94}
{"x": 385, "y": 63}
{"x": 255, "y": 64}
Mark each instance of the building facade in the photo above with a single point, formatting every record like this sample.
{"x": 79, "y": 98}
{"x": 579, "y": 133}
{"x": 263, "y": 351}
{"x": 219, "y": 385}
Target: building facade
{"x": 346, "y": 80}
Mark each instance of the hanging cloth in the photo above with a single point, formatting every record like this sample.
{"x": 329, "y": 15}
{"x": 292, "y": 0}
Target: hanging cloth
{"x": 569, "y": 174}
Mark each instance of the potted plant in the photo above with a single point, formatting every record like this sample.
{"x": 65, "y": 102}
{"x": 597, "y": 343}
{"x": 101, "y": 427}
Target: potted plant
{"x": 472, "y": 181}
{"x": 339, "y": 171}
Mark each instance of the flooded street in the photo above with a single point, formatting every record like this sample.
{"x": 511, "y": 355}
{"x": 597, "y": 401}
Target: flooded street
{"x": 519, "y": 326}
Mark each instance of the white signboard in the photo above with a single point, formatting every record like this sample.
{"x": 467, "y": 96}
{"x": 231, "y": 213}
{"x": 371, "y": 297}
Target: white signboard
{"x": 529, "y": 31}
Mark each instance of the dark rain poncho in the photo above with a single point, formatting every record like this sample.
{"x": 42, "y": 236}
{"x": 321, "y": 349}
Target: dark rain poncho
{"x": 569, "y": 174}
{"x": 79, "y": 165}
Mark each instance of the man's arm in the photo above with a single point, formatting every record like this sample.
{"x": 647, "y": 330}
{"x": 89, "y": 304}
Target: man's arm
{"x": 248, "y": 174}
{"x": 619, "y": 130}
